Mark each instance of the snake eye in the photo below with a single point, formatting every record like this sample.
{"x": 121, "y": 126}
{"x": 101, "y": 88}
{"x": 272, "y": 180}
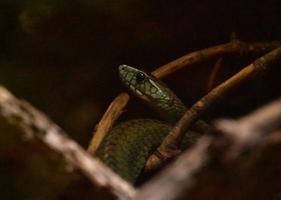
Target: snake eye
{"x": 140, "y": 77}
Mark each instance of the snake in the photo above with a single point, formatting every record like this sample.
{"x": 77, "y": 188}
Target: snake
{"x": 127, "y": 146}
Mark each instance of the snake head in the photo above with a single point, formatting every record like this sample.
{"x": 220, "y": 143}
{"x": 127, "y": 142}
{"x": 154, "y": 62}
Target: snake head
{"x": 137, "y": 81}
{"x": 151, "y": 90}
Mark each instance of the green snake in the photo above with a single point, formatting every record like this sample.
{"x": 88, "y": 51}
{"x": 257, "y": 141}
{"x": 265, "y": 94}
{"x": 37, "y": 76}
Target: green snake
{"x": 127, "y": 146}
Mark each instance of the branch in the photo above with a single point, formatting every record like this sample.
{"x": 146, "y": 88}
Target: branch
{"x": 36, "y": 125}
{"x": 118, "y": 104}
{"x": 112, "y": 113}
{"x": 175, "y": 136}
{"x": 234, "y": 46}
{"x": 182, "y": 175}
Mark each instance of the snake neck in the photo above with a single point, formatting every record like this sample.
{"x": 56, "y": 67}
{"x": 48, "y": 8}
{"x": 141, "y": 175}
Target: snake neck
{"x": 170, "y": 110}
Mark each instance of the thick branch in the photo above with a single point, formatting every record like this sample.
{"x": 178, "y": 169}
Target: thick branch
{"x": 183, "y": 174}
{"x": 36, "y": 125}
{"x": 191, "y": 115}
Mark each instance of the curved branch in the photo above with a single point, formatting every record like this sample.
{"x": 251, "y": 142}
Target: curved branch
{"x": 234, "y": 46}
{"x": 112, "y": 113}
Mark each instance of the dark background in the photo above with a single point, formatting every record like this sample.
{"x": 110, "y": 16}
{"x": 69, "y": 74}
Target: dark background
{"x": 62, "y": 56}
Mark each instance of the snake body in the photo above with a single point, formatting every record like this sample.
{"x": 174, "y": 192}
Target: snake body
{"x": 127, "y": 146}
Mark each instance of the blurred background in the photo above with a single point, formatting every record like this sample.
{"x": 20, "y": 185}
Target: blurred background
{"x": 62, "y": 57}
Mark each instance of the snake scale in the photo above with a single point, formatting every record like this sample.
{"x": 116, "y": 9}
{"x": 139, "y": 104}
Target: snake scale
{"x": 127, "y": 146}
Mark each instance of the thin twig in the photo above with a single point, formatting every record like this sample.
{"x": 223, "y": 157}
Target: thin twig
{"x": 174, "y": 137}
{"x": 182, "y": 175}
{"x": 213, "y": 75}
{"x": 189, "y": 59}
{"x": 35, "y": 124}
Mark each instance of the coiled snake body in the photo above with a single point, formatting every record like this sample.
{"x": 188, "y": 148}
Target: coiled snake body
{"x": 127, "y": 146}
